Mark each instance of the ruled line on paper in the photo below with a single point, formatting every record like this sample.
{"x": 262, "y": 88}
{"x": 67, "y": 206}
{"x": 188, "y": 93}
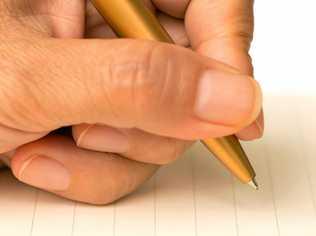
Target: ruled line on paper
{"x": 194, "y": 194}
{"x": 34, "y": 212}
{"x": 114, "y": 219}
{"x": 235, "y": 206}
{"x": 303, "y": 150}
{"x": 155, "y": 205}
{"x": 272, "y": 190}
{"x": 74, "y": 219}
{"x": 16, "y": 206}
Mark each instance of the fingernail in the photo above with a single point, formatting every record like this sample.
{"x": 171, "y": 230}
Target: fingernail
{"x": 104, "y": 139}
{"x": 45, "y": 173}
{"x": 228, "y": 99}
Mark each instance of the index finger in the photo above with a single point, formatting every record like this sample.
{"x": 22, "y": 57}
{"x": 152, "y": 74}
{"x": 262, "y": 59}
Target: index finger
{"x": 222, "y": 29}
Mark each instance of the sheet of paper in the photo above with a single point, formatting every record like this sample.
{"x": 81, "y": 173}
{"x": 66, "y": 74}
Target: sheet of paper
{"x": 194, "y": 196}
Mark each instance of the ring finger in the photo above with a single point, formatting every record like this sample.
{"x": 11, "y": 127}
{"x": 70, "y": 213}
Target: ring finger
{"x": 55, "y": 164}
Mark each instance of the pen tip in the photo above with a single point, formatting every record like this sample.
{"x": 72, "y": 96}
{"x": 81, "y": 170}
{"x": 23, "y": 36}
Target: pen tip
{"x": 253, "y": 183}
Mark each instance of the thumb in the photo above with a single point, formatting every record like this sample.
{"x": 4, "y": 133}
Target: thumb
{"x": 158, "y": 88}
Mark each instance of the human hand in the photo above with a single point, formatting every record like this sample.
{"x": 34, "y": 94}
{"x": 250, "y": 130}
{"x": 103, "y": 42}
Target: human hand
{"x": 145, "y": 97}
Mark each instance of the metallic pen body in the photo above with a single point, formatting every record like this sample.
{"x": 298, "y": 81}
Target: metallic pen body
{"x": 131, "y": 19}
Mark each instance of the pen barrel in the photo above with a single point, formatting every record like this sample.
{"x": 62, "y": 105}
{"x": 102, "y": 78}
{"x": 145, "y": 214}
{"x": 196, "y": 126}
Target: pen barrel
{"x": 132, "y": 19}
{"x": 230, "y": 153}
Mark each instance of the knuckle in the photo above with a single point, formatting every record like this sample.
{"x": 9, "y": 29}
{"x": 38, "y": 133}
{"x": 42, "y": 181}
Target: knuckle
{"x": 170, "y": 83}
{"x": 142, "y": 79}
{"x": 101, "y": 198}
{"x": 157, "y": 86}
{"x": 174, "y": 150}
{"x": 115, "y": 188}
{"x": 238, "y": 34}
{"x": 103, "y": 195}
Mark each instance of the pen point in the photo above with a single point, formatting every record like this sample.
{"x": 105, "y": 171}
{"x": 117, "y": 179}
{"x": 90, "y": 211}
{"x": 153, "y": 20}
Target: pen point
{"x": 253, "y": 184}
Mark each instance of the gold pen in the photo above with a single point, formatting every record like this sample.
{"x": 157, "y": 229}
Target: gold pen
{"x": 132, "y": 19}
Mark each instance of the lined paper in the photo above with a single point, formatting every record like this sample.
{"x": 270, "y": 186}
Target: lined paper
{"x": 194, "y": 196}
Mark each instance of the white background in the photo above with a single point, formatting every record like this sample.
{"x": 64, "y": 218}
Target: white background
{"x": 284, "y": 47}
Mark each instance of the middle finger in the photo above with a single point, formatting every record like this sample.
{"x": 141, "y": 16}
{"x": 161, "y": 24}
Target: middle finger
{"x": 133, "y": 144}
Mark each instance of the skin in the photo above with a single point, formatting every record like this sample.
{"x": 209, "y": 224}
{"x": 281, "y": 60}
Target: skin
{"x": 48, "y": 72}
